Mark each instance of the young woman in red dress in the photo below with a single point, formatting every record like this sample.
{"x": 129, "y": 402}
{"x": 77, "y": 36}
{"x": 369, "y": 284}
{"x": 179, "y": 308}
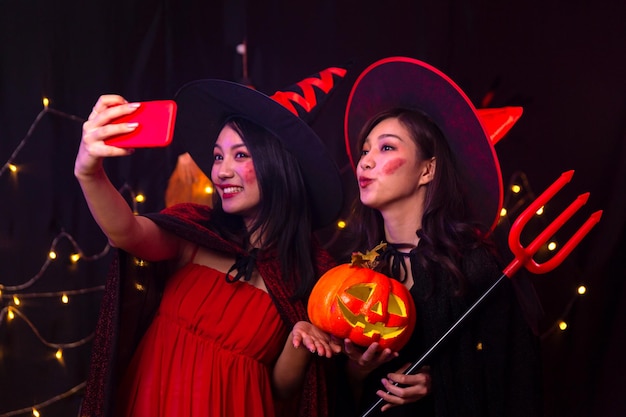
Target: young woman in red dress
{"x": 229, "y": 336}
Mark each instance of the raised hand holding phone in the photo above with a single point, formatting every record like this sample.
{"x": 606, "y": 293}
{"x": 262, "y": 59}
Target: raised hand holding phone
{"x": 155, "y": 128}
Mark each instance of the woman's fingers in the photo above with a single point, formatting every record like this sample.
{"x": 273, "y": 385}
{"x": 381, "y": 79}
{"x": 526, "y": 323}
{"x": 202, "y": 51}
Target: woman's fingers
{"x": 102, "y": 116}
{"x": 98, "y": 126}
{"x": 403, "y": 389}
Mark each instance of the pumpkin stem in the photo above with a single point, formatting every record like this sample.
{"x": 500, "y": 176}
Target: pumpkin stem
{"x": 368, "y": 259}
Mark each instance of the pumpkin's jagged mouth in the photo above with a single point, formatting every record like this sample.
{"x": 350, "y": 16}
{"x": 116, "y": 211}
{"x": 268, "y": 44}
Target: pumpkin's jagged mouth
{"x": 369, "y": 329}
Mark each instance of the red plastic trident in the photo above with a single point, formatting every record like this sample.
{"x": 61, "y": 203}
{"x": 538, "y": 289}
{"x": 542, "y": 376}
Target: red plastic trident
{"x": 524, "y": 255}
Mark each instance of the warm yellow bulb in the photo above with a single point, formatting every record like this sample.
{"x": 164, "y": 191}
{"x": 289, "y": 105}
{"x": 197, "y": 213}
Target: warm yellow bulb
{"x": 140, "y": 198}
{"x": 74, "y": 257}
{"x": 59, "y": 354}
{"x": 552, "y": 246}
{"x": 46, "y": 102}
{"x": 582, "y": 290}
{"x": 503, "y": 212}
{"x": 16, "y": 300}
{"x": 516, "y": 188}
{"x": 65, "y": 299}
{"x": 540, "y": 211}
{"x": 208, "y": 189}
{"x": 10, "y": 314}
{"x": 341, "y": 224}
{"x": 13, "y": 168}
{"x": 562, "y": 325}
{"x": 52, "y": 255}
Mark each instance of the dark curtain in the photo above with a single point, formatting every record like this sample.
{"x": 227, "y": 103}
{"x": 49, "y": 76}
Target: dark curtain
{"x": 563, "y": 61}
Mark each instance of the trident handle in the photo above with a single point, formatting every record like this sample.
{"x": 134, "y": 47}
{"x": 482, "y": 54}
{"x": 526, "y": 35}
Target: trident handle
{"x": 524, "y": 255}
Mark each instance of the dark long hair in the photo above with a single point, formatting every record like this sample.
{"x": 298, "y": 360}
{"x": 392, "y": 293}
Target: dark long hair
{"x": 446, "y": 230}
{"x": 284, "y": 218}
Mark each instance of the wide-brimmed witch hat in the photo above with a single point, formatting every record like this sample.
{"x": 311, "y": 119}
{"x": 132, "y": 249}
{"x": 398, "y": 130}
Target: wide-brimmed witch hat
{"x": 407, "y": 82}
{"x": 204, "y": 105}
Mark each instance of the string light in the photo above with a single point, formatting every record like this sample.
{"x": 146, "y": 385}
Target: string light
{"x": 10, "y": 312}
{"x": 52, "y": 255}
{"x": 10, "y": 164}
{"x": 14, "y": 293}
{"x": 515, "y": 200}
{"x": 341, "y": 224}
{"x": 582, "y": 290}
{"x": 46, "y": 403}
{"x": 56, "y": 294}
{"x": 552, "y": 246}
{"x": 66, "y": 345}
{"x": 562, "y": 325}
{"x": 208, "y": 189}
{"x": 139, "y": 262}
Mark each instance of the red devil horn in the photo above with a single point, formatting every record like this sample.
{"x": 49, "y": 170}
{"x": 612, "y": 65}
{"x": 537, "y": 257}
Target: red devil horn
{"x": 498, "y": 121}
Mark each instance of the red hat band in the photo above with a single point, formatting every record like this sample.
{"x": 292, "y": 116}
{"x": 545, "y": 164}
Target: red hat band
{"x": 308, "y": 99}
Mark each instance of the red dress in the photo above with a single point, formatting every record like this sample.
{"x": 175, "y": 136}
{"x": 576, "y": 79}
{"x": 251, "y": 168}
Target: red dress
{"x": 208, "y": 352}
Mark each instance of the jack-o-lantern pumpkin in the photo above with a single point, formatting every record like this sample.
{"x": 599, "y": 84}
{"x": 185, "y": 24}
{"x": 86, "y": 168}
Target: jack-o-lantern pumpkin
{"x": 355, "y": 302}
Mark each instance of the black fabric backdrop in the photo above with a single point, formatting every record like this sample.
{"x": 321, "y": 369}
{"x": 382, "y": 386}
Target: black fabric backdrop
{"x": 563, "y": 61}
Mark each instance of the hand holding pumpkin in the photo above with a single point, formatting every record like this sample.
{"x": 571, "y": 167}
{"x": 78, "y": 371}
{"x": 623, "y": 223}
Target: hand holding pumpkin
{"x": 363, "y": 361}
{"x": 355, "y": 302}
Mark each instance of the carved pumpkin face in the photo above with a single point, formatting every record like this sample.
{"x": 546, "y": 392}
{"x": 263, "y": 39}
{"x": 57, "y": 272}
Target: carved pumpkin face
{"x": 362, "y": 305}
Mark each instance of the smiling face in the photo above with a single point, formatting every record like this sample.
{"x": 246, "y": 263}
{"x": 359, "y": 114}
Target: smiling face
{"x": 234, "y": 176}
{"x": 390, "y": 173}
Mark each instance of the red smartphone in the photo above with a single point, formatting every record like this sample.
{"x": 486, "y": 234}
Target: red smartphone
{"x": 156, "y": 125}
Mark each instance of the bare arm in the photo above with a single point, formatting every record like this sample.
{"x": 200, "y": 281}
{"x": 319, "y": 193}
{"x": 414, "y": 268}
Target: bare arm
{"x": 135, "y": 234}
{"x": 291, "y": 366}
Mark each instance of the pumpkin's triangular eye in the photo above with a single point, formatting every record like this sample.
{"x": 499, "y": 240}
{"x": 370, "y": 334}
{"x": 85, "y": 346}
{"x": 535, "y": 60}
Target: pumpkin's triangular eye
{"x": 396, "y": 306}
{"x": 377, "y": 308}
{"x": 361, "y": 291}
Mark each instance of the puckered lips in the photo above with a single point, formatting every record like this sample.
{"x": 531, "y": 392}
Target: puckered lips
{"x": 365, "y": 181}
